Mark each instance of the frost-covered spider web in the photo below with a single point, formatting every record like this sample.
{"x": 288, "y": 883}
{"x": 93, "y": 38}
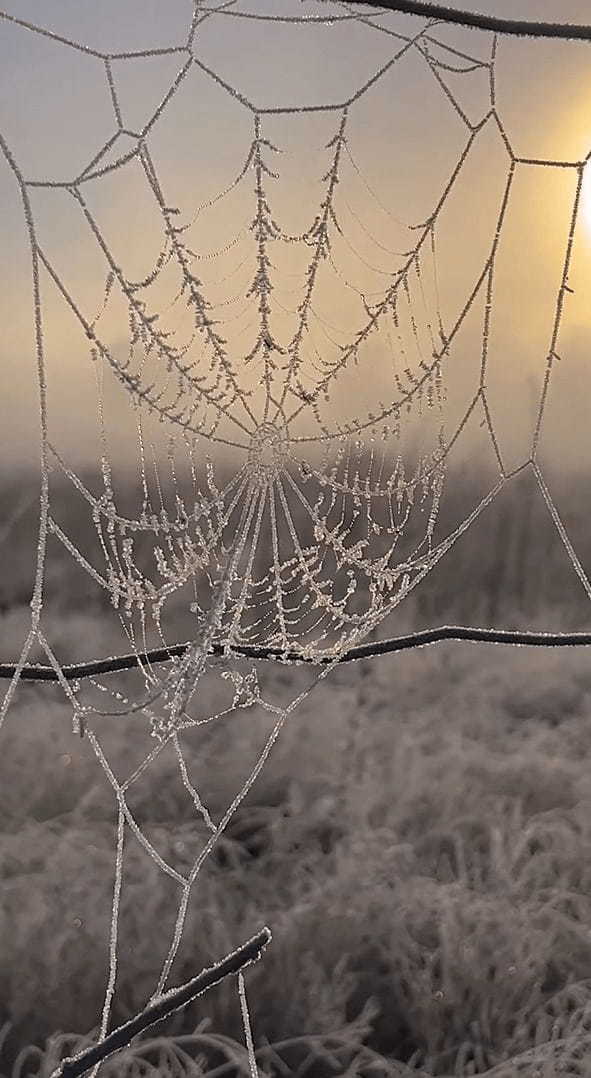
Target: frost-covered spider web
{"x": 272, "y": 335}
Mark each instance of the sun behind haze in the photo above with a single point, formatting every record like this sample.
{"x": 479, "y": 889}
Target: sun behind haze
{"x": 405, "y": 136}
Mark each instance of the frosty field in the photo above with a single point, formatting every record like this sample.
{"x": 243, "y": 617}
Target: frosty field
{"x": 420, "y": 837}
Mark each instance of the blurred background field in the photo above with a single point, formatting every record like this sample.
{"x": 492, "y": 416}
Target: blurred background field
{"x": 419, "y": 841}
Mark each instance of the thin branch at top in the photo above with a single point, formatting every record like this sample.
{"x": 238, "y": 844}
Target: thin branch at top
{"x": 371, "y": 650}
{"x": 478, "y": 21}
{"x": 164, "y": 1005}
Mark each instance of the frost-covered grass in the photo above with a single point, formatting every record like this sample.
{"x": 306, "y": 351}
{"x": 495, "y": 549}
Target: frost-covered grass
{"x": 444, "y": 873}
{"x": 419, "y": 842}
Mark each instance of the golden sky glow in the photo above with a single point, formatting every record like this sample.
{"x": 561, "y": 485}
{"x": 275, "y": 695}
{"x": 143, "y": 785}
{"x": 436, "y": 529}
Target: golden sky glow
{"x": 406, "y": 137}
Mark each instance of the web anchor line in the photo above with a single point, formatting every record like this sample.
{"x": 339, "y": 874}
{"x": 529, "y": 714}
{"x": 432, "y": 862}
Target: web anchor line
{"x": 420, "y": 639}
{"x": 290, "y": 458}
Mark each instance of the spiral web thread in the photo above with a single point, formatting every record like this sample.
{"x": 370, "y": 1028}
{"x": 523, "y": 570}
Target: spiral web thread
{"x": 291, "y": 527}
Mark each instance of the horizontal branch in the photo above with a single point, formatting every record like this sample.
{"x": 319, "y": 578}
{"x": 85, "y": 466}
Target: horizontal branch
{"x": 418, "y": 639}
{"x": 473, "y": 19}
{"x": 164, "y": 1005}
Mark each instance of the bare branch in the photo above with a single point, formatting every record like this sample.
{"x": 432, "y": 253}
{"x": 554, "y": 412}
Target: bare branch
{"x": 164, "y": 1005}
{"x": 418, "y": 639}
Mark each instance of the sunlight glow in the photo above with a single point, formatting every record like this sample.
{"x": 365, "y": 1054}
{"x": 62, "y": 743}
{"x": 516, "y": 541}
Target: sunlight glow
{"x": 586, "y": 198}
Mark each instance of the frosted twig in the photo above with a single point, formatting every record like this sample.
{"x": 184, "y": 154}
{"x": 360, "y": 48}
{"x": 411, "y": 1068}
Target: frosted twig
{"x": 164, "y": 1005}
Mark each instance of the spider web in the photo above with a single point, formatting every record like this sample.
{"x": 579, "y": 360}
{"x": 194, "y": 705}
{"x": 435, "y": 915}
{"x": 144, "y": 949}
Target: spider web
{"x": 280, "y": 366}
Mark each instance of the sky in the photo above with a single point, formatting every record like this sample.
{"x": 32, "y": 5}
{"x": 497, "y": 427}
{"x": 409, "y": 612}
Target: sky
{"x": 404, "y": 138}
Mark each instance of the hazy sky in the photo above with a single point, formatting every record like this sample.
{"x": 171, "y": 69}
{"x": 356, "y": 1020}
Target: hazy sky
{"x": 405, "y": 138}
